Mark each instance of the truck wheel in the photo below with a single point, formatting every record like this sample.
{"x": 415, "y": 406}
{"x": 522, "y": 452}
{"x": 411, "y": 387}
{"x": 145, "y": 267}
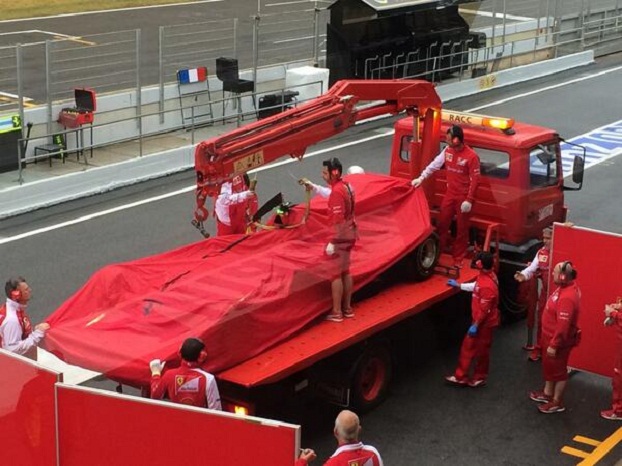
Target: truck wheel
{"x": 512, "y": 303}
{"x": 372, "y": 376}
{"x": 514, "y": 299}
{"x": 424, "y": 258}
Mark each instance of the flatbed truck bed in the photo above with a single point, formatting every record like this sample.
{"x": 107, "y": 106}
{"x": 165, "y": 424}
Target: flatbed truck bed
{"x": 322, "y": 339}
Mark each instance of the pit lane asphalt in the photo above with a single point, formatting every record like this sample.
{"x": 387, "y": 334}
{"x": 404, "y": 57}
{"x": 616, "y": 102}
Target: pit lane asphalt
{"x": 423, "y": 422}
{"x": 149, "y": 20}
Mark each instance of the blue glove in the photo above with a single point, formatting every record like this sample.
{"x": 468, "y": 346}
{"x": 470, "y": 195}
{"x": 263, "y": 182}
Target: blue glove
{"x": 454, "y": 283}
{"x": 472, "y": 330}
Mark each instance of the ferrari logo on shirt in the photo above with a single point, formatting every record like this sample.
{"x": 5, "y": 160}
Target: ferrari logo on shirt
{"x": 449, "y": 156}
{"x": 190, "y": 386}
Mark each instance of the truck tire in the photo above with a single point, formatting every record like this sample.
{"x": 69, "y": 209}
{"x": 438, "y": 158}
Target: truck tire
{"x": 371, "y": 378}
{"x": 513, "y": 302}
{"x": 424, "y": 258}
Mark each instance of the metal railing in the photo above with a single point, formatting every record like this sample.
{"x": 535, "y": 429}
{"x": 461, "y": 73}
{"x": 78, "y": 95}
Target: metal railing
{"x": 187, "y": 132}
{"x": 110, "y": 61}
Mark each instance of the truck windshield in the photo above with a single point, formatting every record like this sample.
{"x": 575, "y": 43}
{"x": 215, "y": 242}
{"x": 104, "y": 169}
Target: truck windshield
{"x": 543, "y": 165}
{"x": 493, "y": 163}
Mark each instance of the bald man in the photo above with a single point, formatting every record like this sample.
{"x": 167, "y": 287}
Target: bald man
{"x": 350, "y": 449}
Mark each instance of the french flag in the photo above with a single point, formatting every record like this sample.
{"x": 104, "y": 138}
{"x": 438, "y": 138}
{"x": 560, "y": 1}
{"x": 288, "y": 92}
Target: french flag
{"x": 192, "y": 75}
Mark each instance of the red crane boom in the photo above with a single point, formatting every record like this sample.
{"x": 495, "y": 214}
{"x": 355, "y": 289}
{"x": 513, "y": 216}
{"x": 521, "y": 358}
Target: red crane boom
{"x": 290, "y": 133}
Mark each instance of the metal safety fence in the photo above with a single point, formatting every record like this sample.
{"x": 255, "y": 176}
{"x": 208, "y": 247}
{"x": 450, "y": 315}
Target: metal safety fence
{"x": 9, "y": 78}
{"x": 284, "y": 33}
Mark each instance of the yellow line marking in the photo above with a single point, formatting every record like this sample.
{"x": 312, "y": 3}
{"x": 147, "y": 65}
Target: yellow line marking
{"x": 27, "y": 102}
{"x": 575, "y": 452}
{"x": 586, "y": 440}
{"x": 76, "y": 39}
{"x": 601, "y": 450}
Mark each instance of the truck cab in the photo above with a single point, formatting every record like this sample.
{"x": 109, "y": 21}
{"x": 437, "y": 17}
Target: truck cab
{"x": 521, "y": 188}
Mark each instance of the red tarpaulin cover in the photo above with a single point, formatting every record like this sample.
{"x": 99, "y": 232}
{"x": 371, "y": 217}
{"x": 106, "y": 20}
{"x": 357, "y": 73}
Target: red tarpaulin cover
{"x": 241, "y": 299}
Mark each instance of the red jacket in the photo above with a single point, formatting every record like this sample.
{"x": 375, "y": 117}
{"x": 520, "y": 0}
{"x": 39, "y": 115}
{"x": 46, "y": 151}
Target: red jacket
{"x": 485, "y": 300}
{"x": 462, "y": 167}
{"x": 22, "y": 317}
{"x": 341, "y": 212}
{"x": 560, "y": 317}
{"x": 355, "y": 453}
{"x": 188, "y": 385}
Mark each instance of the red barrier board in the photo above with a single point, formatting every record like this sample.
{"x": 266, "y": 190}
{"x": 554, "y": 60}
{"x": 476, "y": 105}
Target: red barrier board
{"x": 27, "y": 415}
{"x": 102, "y": 428}
{"x": 597, "y": 257}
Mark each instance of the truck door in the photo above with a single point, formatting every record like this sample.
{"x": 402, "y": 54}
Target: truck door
{"x": 544, "y": 201}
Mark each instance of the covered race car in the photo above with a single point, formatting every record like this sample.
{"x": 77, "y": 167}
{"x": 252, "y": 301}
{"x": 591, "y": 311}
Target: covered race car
{"x": 240, "y": 294}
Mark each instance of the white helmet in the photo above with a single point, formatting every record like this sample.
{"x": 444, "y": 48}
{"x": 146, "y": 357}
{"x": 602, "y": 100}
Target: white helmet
{"x": 355, "y": 170}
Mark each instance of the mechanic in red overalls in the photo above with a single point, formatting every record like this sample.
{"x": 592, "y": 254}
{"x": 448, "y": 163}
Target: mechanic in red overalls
{"x": 485, "y": 317}
{"x": 462, "y": 171}
{"x": 614, "y": 318}
{"x": 341, "y": 215}
{"x": 188, "y": 384}
{"x": 16, "y": 332}
{"x": 539, "y": 268}
{"x": 560, "y": 333}
{"x": 235, "y": 206}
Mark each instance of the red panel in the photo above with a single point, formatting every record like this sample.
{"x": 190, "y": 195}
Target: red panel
{"x": 597, "y": 261}
{"x": 99, "y": 428}
{"x": 27, "y": 416}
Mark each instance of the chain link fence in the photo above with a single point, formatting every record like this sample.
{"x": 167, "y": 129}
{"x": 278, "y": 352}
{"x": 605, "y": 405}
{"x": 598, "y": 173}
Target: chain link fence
{"x": 289, "y": 32}
{"x": 8, "y": 78}
{"x": 193, "y": 45}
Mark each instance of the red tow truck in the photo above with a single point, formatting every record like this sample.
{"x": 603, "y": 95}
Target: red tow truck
{"x": 521, "y": 191}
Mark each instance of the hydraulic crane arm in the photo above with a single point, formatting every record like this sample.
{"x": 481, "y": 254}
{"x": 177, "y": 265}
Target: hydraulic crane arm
{"x": 291, "y": 132}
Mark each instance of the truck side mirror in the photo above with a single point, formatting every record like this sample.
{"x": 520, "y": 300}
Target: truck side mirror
{"x": 577, "y": 169}
{"x": 578, "y": 166}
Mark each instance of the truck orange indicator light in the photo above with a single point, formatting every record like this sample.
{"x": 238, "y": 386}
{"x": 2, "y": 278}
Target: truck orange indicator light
{"x": 474, "y": 119}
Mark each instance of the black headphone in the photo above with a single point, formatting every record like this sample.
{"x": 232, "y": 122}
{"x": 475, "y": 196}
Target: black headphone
{"x": 334, "y": 166}
{"x": 567, "y": 272}
{"x": 12, "y": 289}
{"x": 456, "y": 133}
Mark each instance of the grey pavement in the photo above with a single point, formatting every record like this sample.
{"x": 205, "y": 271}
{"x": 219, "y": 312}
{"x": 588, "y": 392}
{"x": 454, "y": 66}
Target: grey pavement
{"x": 117, "y": 165}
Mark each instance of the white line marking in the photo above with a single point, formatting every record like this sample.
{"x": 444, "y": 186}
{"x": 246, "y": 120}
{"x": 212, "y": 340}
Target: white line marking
{"x": 84, "y": 13}
{"x": 55, "y": 35}
{"x": 490, "y": 14}
{"x": 547, "y": 88}
{"x": 14, "y": 96}
{"x": 390, "y": 132}
{"x": 295, "y": 39}
{"x": 86, "y": 218}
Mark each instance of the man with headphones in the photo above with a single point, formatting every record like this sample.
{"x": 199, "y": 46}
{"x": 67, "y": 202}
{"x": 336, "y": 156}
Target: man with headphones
{"x": 324, "y": 191}
{"x": 235, "y": 205}
{"x": 539, "y": 268}
{"x": 341, "y": 215}
{"x": 188, "y": 384}
{"x": 16, "y": 332}
{"x": 462, "y": 171}
{"x": 475, "y": 350}
{"x": 560, "y": 333}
